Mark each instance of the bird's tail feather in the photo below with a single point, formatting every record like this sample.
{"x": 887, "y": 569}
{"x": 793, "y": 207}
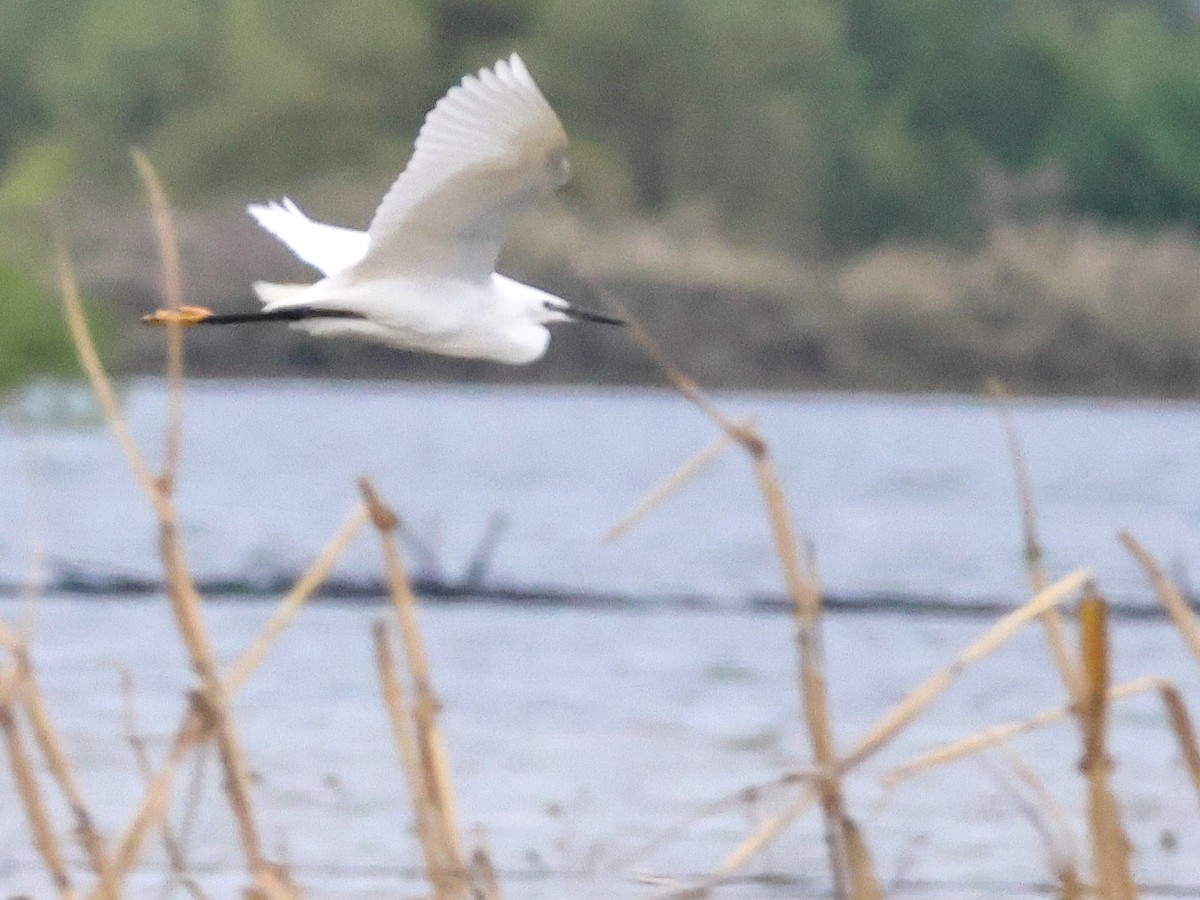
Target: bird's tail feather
{"x": 274, "y": 295}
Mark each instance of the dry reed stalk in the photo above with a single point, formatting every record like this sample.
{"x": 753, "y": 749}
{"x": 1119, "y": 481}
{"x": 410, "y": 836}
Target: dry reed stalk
{"x": 764, "y": 834}
{"x": 1035, "y": 568}
{"x": 895, "y": 719}
{"x": 172, "y": 290}
{"x": 56, "y": 761}
{"x": 181, "y": 591}
{"x": 1061, "y": 839}
{"x": 741, "y": 797}
{"x": 431, "y": 744}
{"x": 133, "y": 736}
{"x": 850, "y": 862}
{"x": 671, "y": 483}
{"x": 211, "y": 698}
{"x": 1043, "y": 812}
{"x": 192, "y": 731}
{"x": 1172, "y": 600}
{"x": 101, "y": 385}
{"x": 924, "y": 694}
{"x": 44, "y": 839}
{"x": 1185, "y": 734}
{"x": 999, "y": 734}
{"x": 287, "y": 608}
{"x": 438, "y": 865}
{"x": 152, "y": 808}
{"x": 849, "y": 859}
{"x": 1110, "y": 849}
{"x": 187, "y": 818}
{"x": 484, "y": 879}
{"x": 9, "y": 638}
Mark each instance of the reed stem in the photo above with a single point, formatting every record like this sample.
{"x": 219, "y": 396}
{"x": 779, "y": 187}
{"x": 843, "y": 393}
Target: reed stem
{"x": 430, "y": 742}
{"x": 44, "y": 839}
{"x": 1110, "y": 848}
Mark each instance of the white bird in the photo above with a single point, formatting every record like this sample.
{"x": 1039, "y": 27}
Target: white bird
{"x": 422, "y": 276}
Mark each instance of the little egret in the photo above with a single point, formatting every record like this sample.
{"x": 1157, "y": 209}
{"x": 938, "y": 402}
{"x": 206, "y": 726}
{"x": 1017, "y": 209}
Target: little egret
{"x": 422, "y": 276}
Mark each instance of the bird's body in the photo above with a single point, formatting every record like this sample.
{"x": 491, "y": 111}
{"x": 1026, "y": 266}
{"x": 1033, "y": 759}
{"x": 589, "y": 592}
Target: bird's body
{"x": 422, "y": 276}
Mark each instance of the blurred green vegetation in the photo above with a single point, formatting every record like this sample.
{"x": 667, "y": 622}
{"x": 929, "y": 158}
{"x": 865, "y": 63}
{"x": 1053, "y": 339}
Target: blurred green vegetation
{"x": 34, "y": 340}
{"x": 814, "y": 125}
{"x": 811, "y": 129}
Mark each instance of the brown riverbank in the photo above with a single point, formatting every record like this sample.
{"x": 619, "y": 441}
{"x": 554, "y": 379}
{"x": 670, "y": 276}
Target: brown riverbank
{"x": 1056, "y": 307}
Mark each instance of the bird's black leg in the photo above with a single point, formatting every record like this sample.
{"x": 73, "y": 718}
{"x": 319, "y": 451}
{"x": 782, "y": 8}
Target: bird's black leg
{"x": 198, "y": 315}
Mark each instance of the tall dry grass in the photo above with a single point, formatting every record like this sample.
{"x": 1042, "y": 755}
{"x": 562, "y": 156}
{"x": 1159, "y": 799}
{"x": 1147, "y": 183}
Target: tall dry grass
{"x": 1085, "y": 677}
{"x": 207, "y": 716}
{"x": 411, "y": 706}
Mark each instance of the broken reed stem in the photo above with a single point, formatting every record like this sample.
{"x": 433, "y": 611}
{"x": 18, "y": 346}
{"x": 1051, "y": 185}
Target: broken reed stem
{"x": 1035, "y": 568}
{"x": 172, "y": 290}
{"x": 924, "y": 694}
{"x": 850, "y": 863}
{"x": 671, "y": 483}
{"x": 438, "y": 867}
{"x": 1188, "y": 625}
{"x": 895, "y": 719}
{"x": 44, "y": 839}
{"x": 1185, "y": 734}
{"x": 1110, "y": 849}
{"x": 999, "y": 734}
{"x": 193, "y": 729}
{"x": 56, "y": 761}
{"x": 1172, "y": 600}
{"x": 431, "y": 744}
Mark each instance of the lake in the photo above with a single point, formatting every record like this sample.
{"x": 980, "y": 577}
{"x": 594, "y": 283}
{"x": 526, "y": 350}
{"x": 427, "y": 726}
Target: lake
{"x": 578, "y": 734}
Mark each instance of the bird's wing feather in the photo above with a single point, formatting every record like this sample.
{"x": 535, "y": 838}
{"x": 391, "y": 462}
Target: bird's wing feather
{"x": 487, "y": 150}
{"x": 329, "y": 248}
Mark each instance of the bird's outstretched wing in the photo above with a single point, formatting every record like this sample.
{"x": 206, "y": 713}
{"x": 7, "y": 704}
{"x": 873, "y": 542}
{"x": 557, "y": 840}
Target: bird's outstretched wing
{"x": 487, "y": 150}
{"x": 326, "y": 247}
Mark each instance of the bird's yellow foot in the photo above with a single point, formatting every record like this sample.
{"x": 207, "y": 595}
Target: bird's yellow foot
{"x": 185, "y": 315}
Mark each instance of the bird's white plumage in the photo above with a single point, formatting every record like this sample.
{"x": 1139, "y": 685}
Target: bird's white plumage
{"x": 328, "y": 248}
{"x": 422, "y": 275}
{"x": 487, "y": 150}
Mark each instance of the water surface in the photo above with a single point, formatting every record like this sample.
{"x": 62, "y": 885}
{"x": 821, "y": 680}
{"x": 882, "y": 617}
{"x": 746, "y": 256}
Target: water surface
{"x": 578, "y": 735}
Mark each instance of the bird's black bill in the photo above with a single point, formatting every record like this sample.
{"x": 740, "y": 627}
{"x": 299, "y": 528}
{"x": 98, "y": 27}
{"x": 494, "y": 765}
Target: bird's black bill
{"x": 586, "y": 315}
{"x": 198, "y": 315}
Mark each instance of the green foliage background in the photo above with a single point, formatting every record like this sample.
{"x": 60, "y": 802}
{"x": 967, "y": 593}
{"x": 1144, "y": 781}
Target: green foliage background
{"x": 812, "y": 124}
{"x": 817, "y": 128}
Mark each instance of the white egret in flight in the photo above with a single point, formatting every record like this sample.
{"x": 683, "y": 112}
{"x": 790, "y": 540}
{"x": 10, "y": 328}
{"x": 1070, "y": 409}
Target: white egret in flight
{"x": 422, "y": 276}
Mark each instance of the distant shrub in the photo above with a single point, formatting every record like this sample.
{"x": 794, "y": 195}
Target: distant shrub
{"x": 822, "y": 127}
{"x": 34, "y": 340}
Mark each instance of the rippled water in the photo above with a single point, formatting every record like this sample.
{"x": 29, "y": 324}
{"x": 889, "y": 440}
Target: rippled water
{"x": 574, "y": 735}
{"x": 905, "y": 494}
